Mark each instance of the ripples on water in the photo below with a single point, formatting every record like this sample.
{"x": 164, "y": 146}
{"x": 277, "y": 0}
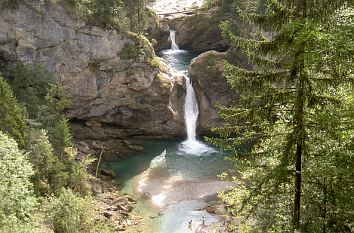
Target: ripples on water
{"x": 181, "y": 178}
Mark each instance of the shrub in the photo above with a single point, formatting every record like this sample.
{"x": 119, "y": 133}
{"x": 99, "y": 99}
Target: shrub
{"x": 74, "y": 214}
{"x": 17, "y": 200}
{"x": 50, "y": 175}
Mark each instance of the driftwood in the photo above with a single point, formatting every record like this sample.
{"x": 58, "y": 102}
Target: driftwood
{"x": 99, "y": 161}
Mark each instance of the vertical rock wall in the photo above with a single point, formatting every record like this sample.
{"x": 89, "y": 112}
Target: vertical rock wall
{"x": 116, "y": 83}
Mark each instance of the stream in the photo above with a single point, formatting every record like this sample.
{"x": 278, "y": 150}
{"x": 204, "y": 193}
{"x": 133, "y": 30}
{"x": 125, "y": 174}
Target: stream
{"x": 176, "y": 180}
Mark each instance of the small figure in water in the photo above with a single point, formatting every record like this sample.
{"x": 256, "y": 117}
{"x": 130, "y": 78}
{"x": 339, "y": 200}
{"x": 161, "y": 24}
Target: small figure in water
{"x": 203, "y": 220}
{"x": 190, "y": 224}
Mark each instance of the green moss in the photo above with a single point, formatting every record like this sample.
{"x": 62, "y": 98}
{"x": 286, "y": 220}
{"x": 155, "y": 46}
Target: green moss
{"x": 141, "y": 46}
{"x": 209, "y": 61}
{"x": 155, "y": 62}
{"x": 208, "y": 64}
{"x": 141, "y": 40}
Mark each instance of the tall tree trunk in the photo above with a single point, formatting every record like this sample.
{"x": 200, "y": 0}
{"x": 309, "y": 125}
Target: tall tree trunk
{"x": 300, "y": 127}
{"x": 297, "y": 203}
{"x": 324, "y": 205}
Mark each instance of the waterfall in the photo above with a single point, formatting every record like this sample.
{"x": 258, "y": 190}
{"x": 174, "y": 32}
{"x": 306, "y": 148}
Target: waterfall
{"x": 190, "y": 110}
{"x": 174, "y": 46}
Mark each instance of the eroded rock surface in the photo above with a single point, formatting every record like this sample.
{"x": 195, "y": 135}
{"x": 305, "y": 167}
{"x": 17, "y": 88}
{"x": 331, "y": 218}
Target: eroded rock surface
{"x": 201, "y": 32}
{"x": 207, "y": 72}
{"x": 116, "y": 85}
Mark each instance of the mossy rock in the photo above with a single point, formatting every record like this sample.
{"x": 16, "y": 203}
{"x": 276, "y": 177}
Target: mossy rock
{"x": 138, "y": 48}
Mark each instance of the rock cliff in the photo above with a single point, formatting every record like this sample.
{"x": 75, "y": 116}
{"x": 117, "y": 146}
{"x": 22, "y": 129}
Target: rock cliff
{"x": 201, "y": 32}
{"x": 117, "y": 86}
{"x": 207, "y": 72}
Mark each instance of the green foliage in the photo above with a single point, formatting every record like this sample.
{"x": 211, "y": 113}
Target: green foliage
{"x": 212, "y": 3}
{"x": 17, "y": 200}
{"x": 11, "y": 3}
{"x": 79, "y": 176}
{"x": 74, "y": 214}
{"x": 12, "y": 115}
{"x": 137, "y": 14}
{"x": 130, "y": 51}
{"x": 118, "y": 14}
{"x": 140, "y": 49}
{"x": 56, "y": 170}
{"x": 108, "y": 13}
{"x": 50, "y": 175}
{"x": 30, "y": 84}
{"x": 293, "y": 105}
{"x": 53, "y": 119}
{"x": 57, "y": 99}
{"x": 61, "y": 136}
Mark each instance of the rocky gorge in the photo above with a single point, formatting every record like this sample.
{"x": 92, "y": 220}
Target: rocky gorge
{"x": 119, "y": 88}
{"x": 116, "y": 84}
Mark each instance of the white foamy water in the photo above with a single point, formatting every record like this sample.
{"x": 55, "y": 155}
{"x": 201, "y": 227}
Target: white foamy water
{"x": 191, "y": 111}
{"x": 174, "y": 45}
{"x": 159, "y": 161}
{"x": 195, "y": 148}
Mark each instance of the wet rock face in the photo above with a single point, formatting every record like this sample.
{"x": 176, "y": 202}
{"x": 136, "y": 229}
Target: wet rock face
{"x": 116, "y": 85}
{"x": 161, "y": 35}
{"x": 201, "y": 32}
{"x": 207, "y": 72}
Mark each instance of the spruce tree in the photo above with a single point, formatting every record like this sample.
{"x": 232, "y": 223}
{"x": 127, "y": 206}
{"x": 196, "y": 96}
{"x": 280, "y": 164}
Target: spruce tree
{"x": 12, "y": 115}
{"x": 30, "y": 84}
{"x": 299, "y": 56}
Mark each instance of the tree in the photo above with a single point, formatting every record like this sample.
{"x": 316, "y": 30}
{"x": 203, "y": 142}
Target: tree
{"x": 61, "y": 135}
{"x": 53, "y": 119}
{"x": 75, "y": 214}
{"x": 30, "y": 85}
{"x": 17, "y": 200}
{"x": 296, "y": 73}
{"x": 12, "y": 115}
{"x": 137, "y": 14}
{"x": 50, "y": 173}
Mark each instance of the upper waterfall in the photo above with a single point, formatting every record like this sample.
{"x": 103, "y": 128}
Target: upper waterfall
{"x": 191, "y": 111}
{"x": 177, "y": 59}
{"x": 174, "y": 45}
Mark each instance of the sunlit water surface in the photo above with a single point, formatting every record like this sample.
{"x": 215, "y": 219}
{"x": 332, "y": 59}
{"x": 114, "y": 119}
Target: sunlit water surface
{"x": 175, "y": 179}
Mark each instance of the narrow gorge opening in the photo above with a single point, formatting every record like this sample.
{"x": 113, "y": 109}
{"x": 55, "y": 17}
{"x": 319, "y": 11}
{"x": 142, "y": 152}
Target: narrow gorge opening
{"x": 176, "y": 181}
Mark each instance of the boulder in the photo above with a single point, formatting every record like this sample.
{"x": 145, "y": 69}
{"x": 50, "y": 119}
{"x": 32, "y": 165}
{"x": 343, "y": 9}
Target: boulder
{"x": 216, "y": 209}
{"x": 207, "y": 72}
{"x": 108, "y": 172}
{"x": 201, "y": 32}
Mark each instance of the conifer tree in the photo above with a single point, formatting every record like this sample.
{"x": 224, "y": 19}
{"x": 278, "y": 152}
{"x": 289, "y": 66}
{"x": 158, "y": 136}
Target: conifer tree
{"x": 12, "y": 115}
{"x": 30, "y": 84}
{"x": 296, "y": 73}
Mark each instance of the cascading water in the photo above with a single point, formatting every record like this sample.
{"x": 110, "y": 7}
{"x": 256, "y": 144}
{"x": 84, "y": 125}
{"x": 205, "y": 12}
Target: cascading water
{"x": 174, "y": 45}
{"x": 191, "y": 111}
{"x": 180, "y": 178}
